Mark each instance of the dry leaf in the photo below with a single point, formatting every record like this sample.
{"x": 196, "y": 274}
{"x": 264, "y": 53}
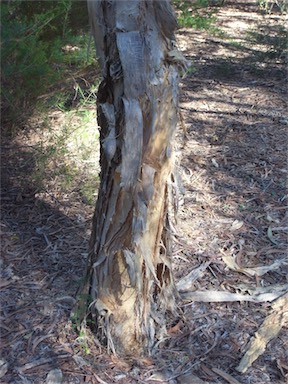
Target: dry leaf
{"x": 272, "y": 219}
{"x": 145, "y": 362}
{"x": 54, "y": 377}
{"x": 5, "y": 283}
{"x": 237, "y": 224}
{"x": 99, "y": 379}
{"x": 282, "y": 367}
{"x": 189, "y": 379}
{"x": 226, "y": 376}
{"x": 120, "y": 377}
{"x": 3, "y": 367}
{"x": 186, "y": 282}
{"x": 270, "y": 236}
{"x": 279, "y": 289}
{"x": 176, "y": 328}
{"x": 231, "y": 263}
{"x": 80, "y": 361}
{"x": 159, "y": 377}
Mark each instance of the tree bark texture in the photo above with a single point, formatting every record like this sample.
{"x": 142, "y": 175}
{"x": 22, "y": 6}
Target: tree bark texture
{"x": 129, "y": 278}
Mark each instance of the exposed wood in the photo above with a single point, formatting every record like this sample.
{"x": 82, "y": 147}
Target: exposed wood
{"x": 129, "y": 278}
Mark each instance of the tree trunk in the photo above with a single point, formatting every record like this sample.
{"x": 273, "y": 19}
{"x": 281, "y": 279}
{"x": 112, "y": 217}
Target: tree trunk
{"x": 129, "y": 278}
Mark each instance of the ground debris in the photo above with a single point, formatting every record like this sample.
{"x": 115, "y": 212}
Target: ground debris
{"x": 231, "y": 263}
{"x": 268, "y": 330}
{"x": 221, "y": 296}
{"x": 3, "y": 367}
{"x": 55, "y": 376}
{"x": 233, "y": 167}
{"x": 226, "y": 376}
{"x": 188, "y": 281}
{"x": 39, "y": 362}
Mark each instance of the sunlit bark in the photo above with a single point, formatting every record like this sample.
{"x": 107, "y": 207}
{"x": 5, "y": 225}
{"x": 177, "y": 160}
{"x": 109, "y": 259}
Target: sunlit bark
{"x": 129, "y": 278}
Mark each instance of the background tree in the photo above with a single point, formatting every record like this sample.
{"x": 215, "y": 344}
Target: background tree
{"x": 129, "y": 279}
{"x": 32, "y": 60}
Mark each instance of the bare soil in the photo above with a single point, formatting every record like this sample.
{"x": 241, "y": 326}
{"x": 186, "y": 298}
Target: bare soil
{"x": 233, "y": 165}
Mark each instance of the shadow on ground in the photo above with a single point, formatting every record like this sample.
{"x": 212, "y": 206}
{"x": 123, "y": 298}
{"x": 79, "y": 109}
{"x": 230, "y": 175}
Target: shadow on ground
{"x": 234, "y": 170}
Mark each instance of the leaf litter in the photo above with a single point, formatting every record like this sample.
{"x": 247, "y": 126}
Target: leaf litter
{"x": 232, "y": 244}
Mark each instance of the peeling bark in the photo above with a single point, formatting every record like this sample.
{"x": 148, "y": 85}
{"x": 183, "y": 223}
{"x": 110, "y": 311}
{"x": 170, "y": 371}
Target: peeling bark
{"x": 129, "y": 278}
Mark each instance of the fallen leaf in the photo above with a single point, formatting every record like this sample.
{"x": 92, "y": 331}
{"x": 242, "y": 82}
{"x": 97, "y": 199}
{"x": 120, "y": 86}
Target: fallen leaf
{"x": 145, "y": 361}
{"x": 282, "y": 367}
{"x": 237, "y": 224}
{"x": 270, "y": 218}
{"x": 120, "y": 377}
{"x": 158, "y": 377}
{"x": 80, "y": 361}
{"x": 54, "y": 377}
{"x": 189, "y": 379}
{"x": 176, "y": 328}
{"x": 226, "y": 376}
{"x": 3, "y": 367}
{"x": 186, "y": 282}
{"x": 275, "y": 288}
{"x": 270, "y": 236}
{"x": 231, "y": 263}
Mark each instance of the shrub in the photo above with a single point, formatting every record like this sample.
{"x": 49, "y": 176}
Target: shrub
{"x": 30, "y": 32}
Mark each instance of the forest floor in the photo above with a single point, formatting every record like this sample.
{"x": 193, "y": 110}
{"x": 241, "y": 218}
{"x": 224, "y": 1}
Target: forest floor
{"x": 232, "y": 226}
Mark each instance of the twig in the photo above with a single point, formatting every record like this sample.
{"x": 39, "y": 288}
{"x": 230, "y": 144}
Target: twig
{"x": 41, "y": 361}
{"x": 225, "y": 376}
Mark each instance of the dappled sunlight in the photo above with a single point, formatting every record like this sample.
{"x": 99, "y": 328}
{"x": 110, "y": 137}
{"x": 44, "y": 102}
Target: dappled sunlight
{"x": 230, "y": 248}
{"x": 65, "y": 148}
{"x": 232, "y": 224}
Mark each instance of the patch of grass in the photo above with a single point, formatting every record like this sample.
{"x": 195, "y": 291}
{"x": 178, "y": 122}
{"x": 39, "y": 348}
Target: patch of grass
{"x": 242, "y": 207}
{"x": 39, "y": 47}
{"x": 217, "y": 32}
{"x": 195, "y": 15}
{"x": 67, "y": 153}
{"x": 237, "y": 45}
{"x": 24, "y": 63}
{"x": 88, "y": 190}
{"x": 196, "y": 21}
{"x": 75, "y": 50}
{"x": 78, "y": 94}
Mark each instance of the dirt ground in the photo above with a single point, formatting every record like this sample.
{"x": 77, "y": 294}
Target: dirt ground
{"x": 232, "y": 220}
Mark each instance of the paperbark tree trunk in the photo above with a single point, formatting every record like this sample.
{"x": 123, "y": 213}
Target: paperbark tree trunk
{"x": 129, "y": 277}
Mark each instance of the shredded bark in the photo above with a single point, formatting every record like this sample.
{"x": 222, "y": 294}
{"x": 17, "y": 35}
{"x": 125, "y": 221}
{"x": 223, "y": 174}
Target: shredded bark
{"x": 234, "y": 170}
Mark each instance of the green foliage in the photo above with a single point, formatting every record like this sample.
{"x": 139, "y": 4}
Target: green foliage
{"x": 24, "y": 58}
{"x": 88, "y": 190}
{"x": 33, "y": 35}
{"x": 197, "y": 15}
{"x": 78, "y": 313}
{"x": 196, "y": 21}
{"x": 67, "y": 153}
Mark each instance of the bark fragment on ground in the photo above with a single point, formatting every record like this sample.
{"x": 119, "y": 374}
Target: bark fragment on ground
{"x": 268, "y": 330}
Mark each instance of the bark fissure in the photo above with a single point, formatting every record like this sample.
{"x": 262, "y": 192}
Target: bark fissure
{"x": 129, "y": 275}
